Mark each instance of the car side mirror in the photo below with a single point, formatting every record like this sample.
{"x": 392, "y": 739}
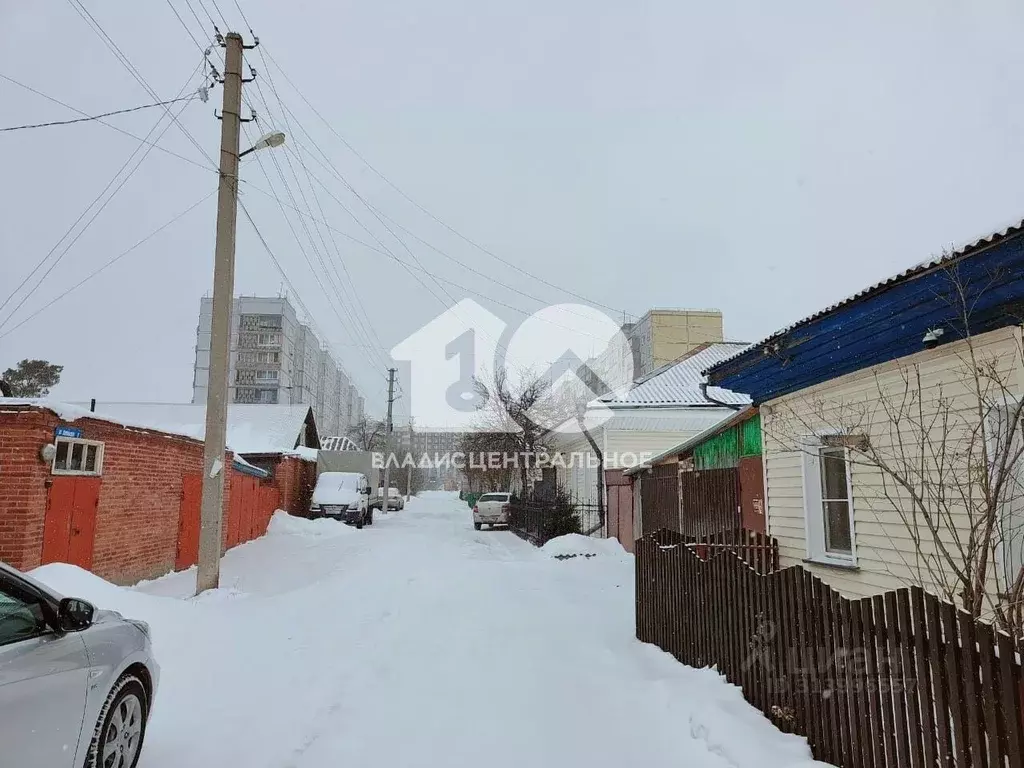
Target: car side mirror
{"x": 366, "y": 491}
{"x": 74, "y": 614}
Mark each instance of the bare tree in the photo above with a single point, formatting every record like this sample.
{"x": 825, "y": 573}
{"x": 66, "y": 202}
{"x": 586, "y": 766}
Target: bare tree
{"x": 942, "y": 453}
{"x": 368, "y": 434}
{"x": 520, "y": 417}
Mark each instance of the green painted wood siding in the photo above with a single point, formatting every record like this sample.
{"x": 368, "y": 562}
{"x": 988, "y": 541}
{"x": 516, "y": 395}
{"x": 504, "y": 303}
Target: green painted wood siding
{"x": 751, "y": 438}
{"x": 725, "y": 450}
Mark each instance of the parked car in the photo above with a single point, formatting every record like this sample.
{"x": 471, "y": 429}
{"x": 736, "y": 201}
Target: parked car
{"x": 395, "y": 499}
{"x": 492, "y": 509}
{"x": 76, "y": 682}
{"x": 342, "y": 496}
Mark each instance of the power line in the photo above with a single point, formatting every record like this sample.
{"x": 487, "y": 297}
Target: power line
{"x": 428, "y": 244}
{"x": 242, "y": 13}
{"x": 195, "y": 15}
{"x": 109, "y": 263}
{"x": 84, "y": 213}
{"x": 360, "y": 320}
{"x": 87, "y": 224}
{"x": 120, "y": 130}
{"x": 122, "y": 57}
{"x": 356, "y": 327}
{"x": 96, "y": 117}
{"x": 385, "y": 248}
{"x": 178, "y": 15}
{"x": 444, "y": 224}
{"x": 298, "y": 241}
{"x": 384, "y": 251}
{"x": 280, "y": 269}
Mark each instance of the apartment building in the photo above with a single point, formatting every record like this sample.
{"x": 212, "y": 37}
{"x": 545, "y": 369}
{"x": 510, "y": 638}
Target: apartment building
{"x": 662, "y": 336}
{"x": 276, "y": 359}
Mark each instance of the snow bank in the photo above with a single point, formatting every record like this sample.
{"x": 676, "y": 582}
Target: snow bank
{"x": 724, "y": 712}
{"x": 477, "y": 654}
{"x": 575, "y": 545}
{"x": 284, "y": 524}
{"x": 72, "y": 581}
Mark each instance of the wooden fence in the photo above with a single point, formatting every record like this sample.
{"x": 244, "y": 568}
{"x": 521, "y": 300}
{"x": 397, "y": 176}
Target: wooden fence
{"x": 900, "y": 680}
{"x": 659, "y": 491}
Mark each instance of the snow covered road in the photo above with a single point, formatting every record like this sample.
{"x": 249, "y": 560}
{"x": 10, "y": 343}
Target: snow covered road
{"x": 421, "y": 642}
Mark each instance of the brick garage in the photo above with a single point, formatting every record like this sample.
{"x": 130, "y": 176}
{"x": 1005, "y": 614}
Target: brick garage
{"x": 293, "y": 476}
{"x": 134, "y": 506}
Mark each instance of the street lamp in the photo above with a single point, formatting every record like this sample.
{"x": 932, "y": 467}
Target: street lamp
{"x": 275, "y": 139}
{"x": 217, "y": 385}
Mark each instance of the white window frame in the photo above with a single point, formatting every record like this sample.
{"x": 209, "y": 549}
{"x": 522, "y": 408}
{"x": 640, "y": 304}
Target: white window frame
{"x": 97, "y": 472}
{"x": 1010, "y": 547}
{"x": 814, "y": 509}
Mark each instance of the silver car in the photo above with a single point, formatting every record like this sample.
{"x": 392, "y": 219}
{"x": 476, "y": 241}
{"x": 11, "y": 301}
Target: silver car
{"x": 76, "y": 682}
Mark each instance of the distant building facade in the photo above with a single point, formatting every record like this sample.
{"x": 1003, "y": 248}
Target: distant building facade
{"x": 275, "y": 359}
{"x": 664, "y": 335}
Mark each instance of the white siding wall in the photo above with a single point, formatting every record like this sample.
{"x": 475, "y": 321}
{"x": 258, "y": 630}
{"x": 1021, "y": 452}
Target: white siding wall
{"x": 885, "y": 553}
{"x": 644, "y": 445}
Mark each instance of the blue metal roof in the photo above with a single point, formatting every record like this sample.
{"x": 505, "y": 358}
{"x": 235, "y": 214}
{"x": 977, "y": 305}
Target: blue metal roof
{"x": 887, "y": 321}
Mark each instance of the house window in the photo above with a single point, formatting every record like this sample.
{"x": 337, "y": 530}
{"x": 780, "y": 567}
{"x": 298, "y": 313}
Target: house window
{"x": 77, "y": 457}
{"x": 268, "y": 340}
{"x": 835, "y": 502}
{"x": 828, "y": 503}
{"x": 266, "y": 375}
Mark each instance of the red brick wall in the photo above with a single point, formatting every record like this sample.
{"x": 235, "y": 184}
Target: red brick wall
{"x": 293, "y": 477}
{"x": 140, "y": 494}
{"x": 22, "y": 485}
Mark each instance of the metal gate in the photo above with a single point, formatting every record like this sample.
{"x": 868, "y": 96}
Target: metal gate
{"x": 710, "y": 501}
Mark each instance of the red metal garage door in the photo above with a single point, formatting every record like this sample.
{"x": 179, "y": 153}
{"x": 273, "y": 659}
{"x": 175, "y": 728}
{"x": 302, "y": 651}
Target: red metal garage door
{"x": 188, "y": 522}
{"x": 69, "y": 527}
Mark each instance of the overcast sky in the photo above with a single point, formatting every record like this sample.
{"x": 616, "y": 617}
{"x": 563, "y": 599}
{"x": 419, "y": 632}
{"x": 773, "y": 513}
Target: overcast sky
{"x": 765, "y": 159}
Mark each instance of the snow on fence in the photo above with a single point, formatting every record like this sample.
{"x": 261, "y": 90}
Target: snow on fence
{"x": 899, "y": 680}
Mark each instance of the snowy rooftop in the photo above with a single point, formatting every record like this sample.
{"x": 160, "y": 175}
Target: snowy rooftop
{"x": 964, "y": 249}
{"x": 251, "y": 428}
{"x": 679, "y": 382}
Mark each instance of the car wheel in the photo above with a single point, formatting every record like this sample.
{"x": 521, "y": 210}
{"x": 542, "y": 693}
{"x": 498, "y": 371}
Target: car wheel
{"x": 369, "y": 517}
{"x": 117, "y": 741}
{"x": 477, "y": 526}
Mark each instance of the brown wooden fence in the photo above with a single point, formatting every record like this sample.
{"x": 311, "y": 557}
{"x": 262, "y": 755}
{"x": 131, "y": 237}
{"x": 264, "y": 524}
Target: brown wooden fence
{"x": 900, "y": 680}
{"x": 659, "y": 492}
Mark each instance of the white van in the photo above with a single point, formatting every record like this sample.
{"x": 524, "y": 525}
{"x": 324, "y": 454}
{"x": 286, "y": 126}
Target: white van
{"x": 342, "y": 496}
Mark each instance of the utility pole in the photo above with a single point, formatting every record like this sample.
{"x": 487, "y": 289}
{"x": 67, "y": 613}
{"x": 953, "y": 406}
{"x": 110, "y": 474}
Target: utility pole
{"x": 208, "y": 576}
{"x": 408, "y": 477}
{"x": 387, "y": 441}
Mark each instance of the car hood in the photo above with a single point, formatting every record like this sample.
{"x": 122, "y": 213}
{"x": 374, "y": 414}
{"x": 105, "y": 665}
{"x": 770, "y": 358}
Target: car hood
{"x": 335, "y": 496}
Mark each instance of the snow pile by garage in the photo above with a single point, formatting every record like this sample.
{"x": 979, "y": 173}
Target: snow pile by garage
{"x": 284, "y": 524}
{"x": 577, "y": 545}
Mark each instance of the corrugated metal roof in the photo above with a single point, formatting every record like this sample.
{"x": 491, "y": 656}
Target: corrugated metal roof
{"x": 692, "y": 420}
{"x": 678, "y": 383}
{"x": 918, "y": 269}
